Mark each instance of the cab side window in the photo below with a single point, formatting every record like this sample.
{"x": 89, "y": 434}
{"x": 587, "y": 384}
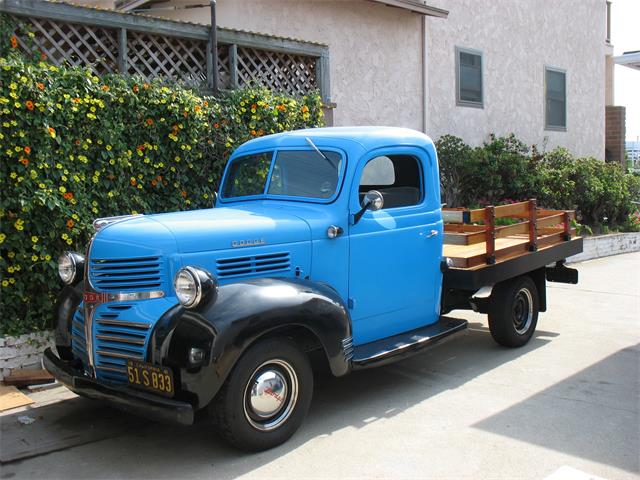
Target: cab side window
{"x": 396, "y": 177}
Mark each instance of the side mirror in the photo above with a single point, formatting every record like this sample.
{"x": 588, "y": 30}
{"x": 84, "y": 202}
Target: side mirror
{"x": 373, "y": 200}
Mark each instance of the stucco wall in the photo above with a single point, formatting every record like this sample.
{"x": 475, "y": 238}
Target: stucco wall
{"x": 376, "y": 61}
{"x": 518, "y": 38}
{"x": 375, "y": 51}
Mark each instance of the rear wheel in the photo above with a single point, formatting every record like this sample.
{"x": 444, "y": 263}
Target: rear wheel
{"x": 266, "y": 396}
{"x": 513, "y": 311}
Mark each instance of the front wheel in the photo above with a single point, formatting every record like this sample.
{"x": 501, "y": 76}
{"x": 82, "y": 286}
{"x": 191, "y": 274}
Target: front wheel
{"x": 266, "y": 396}
{"x": 513, "y": 311}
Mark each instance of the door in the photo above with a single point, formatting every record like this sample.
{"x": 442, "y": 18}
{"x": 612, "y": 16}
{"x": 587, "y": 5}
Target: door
{"x": 395, "y": 252}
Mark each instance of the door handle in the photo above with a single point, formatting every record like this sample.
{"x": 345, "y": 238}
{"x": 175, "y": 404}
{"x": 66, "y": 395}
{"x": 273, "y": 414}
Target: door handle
{"x": 432, "y": 233}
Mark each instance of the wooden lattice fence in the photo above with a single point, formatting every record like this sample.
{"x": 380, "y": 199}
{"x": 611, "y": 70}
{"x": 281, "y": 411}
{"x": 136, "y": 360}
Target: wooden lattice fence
{"x": 109, "y": 41}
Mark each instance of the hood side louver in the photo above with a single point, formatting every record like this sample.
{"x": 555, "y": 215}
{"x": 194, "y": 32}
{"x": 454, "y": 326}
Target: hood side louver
{"x": 127, "y": 274}
{"x": 253, "y": 265}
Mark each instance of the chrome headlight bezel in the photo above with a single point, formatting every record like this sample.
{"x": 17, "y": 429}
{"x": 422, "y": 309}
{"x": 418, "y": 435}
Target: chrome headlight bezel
{"x": 203, "y": 284}
{"x": 71, "y": 267}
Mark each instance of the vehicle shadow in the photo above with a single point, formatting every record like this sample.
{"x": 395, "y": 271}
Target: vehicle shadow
{"x": 593, "y": 414}
{"x": 350, "y": 402}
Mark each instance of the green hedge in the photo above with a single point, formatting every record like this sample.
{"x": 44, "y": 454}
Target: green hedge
{"x": 75, "y": 147}
{"x": 505, "y": 170}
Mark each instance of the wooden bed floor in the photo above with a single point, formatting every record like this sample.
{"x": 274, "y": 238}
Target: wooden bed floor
{"x": 468, "y": 251}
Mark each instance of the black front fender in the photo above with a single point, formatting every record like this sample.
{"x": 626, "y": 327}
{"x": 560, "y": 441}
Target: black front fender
{"x": 67, "y": 303}
{"x": 242, "y": 313}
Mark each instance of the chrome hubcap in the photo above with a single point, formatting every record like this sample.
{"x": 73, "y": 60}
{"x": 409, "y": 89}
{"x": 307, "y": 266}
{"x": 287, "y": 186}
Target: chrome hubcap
{"x": 270, "y": 395}
{"x": 523, "y": 311}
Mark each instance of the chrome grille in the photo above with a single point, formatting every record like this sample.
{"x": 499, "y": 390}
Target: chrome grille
{"x": 127, "y": 274}
{"x": 116, "y": 341}
{"x": 251, "y": 265}
{"x": 78, "y": 339}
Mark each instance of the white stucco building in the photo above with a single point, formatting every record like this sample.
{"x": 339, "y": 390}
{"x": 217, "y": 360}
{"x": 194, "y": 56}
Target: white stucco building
{"x": 536, "y": 68}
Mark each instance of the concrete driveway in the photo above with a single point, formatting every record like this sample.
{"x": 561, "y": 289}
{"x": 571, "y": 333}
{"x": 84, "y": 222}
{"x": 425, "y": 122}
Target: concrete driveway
{"x": 564, "y": 406}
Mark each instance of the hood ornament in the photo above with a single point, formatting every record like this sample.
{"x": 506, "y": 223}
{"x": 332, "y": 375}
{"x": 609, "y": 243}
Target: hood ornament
{"x": 100, "y": 223}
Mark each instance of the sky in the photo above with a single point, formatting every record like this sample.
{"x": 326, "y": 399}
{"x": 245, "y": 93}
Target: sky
{"x": 625, "y": 36}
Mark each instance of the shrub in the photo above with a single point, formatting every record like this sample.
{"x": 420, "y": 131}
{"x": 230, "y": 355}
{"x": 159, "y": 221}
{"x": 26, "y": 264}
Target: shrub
{"x": 505, "y": 170}
{"x": 453, "y": 155}
{"x": 599, "y": 191}
{"x": 499, "y": 170}
{"x": 75, "y": 147}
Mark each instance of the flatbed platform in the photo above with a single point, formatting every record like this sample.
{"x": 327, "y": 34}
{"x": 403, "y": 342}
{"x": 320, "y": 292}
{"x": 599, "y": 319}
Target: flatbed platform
{"x": 482, "y": 253}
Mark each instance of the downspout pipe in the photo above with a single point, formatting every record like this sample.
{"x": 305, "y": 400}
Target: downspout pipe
{"x": 425, "y": 76}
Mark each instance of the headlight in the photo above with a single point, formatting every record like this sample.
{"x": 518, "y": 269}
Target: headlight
{"x": 193, "y": 285}
{"x": 71, "y": 267}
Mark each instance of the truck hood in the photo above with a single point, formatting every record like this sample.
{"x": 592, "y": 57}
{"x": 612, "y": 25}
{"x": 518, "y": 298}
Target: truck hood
{"x": 204, "y": 230}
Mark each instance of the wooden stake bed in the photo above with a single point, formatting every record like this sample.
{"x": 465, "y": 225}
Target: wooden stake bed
{"x": 473, "y": 241}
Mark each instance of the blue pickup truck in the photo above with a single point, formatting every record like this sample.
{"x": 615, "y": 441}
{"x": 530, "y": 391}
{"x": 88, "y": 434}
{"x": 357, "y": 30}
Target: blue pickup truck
{"x": 325, "y": 248}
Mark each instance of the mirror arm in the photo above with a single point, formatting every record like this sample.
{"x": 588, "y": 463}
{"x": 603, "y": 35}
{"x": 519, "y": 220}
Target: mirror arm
{"x": 358, "y": 216}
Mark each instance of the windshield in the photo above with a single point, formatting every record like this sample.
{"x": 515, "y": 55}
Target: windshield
{"x": 297, "y": 173}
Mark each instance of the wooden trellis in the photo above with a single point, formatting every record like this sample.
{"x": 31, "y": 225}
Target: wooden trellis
{"x": 295, "y": 74}
{"x": 108, "y": 41}
{"x": 75, "y": 44}
{"x": 152, "y": 56}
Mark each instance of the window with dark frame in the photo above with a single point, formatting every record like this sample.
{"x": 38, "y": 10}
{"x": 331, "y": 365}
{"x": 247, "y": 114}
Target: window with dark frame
{"x": 469, "y": 85}
{"x": 396, "y": 177}
{"x": 555, "y": 113}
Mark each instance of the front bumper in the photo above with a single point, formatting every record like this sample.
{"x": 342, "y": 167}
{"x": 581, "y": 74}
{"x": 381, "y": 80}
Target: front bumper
{"x": 127, "y": 399}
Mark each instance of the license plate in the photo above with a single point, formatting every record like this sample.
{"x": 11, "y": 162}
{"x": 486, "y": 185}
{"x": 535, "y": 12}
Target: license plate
{"x": 150, "y": 377}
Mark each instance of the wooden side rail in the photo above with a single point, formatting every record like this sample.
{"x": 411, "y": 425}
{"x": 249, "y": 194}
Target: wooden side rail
{"x": 540, "y": 227}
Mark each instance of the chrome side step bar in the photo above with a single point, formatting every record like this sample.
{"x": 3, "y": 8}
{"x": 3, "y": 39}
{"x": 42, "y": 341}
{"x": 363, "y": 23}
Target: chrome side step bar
{"x": 398, "y": 347}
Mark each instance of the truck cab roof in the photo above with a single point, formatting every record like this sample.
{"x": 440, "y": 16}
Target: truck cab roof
{"x": 368, "y": 137}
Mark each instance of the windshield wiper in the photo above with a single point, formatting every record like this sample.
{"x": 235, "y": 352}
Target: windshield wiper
{"x": 313, "y": 145}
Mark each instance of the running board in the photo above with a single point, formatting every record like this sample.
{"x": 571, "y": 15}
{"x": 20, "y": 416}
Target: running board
{"x": 404, "y": 345}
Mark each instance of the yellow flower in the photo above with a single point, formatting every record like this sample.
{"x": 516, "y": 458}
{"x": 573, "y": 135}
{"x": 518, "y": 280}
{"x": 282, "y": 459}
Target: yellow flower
{"x": 69, "y": 241}
{"x": 2, "y": 237}
{"x": 13, "y": 86}
{"x": 47, "y": 258}
{"x": 62, "y": 190}
{"x": 34, "y": 258}
{"x": 108, "y": 147}
{"x": 34, "y": 239}
{"x": 12, "y": 281}
{"x": 11, "y": 254}
{"x": 5, "y": 283}
{"x": 10, "y": 269}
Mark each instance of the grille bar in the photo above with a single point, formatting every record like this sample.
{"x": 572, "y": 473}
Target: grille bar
{"x": 124, "y": 324}
{"x": 120, "y": 338}
{"x": 119, "y": 355}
